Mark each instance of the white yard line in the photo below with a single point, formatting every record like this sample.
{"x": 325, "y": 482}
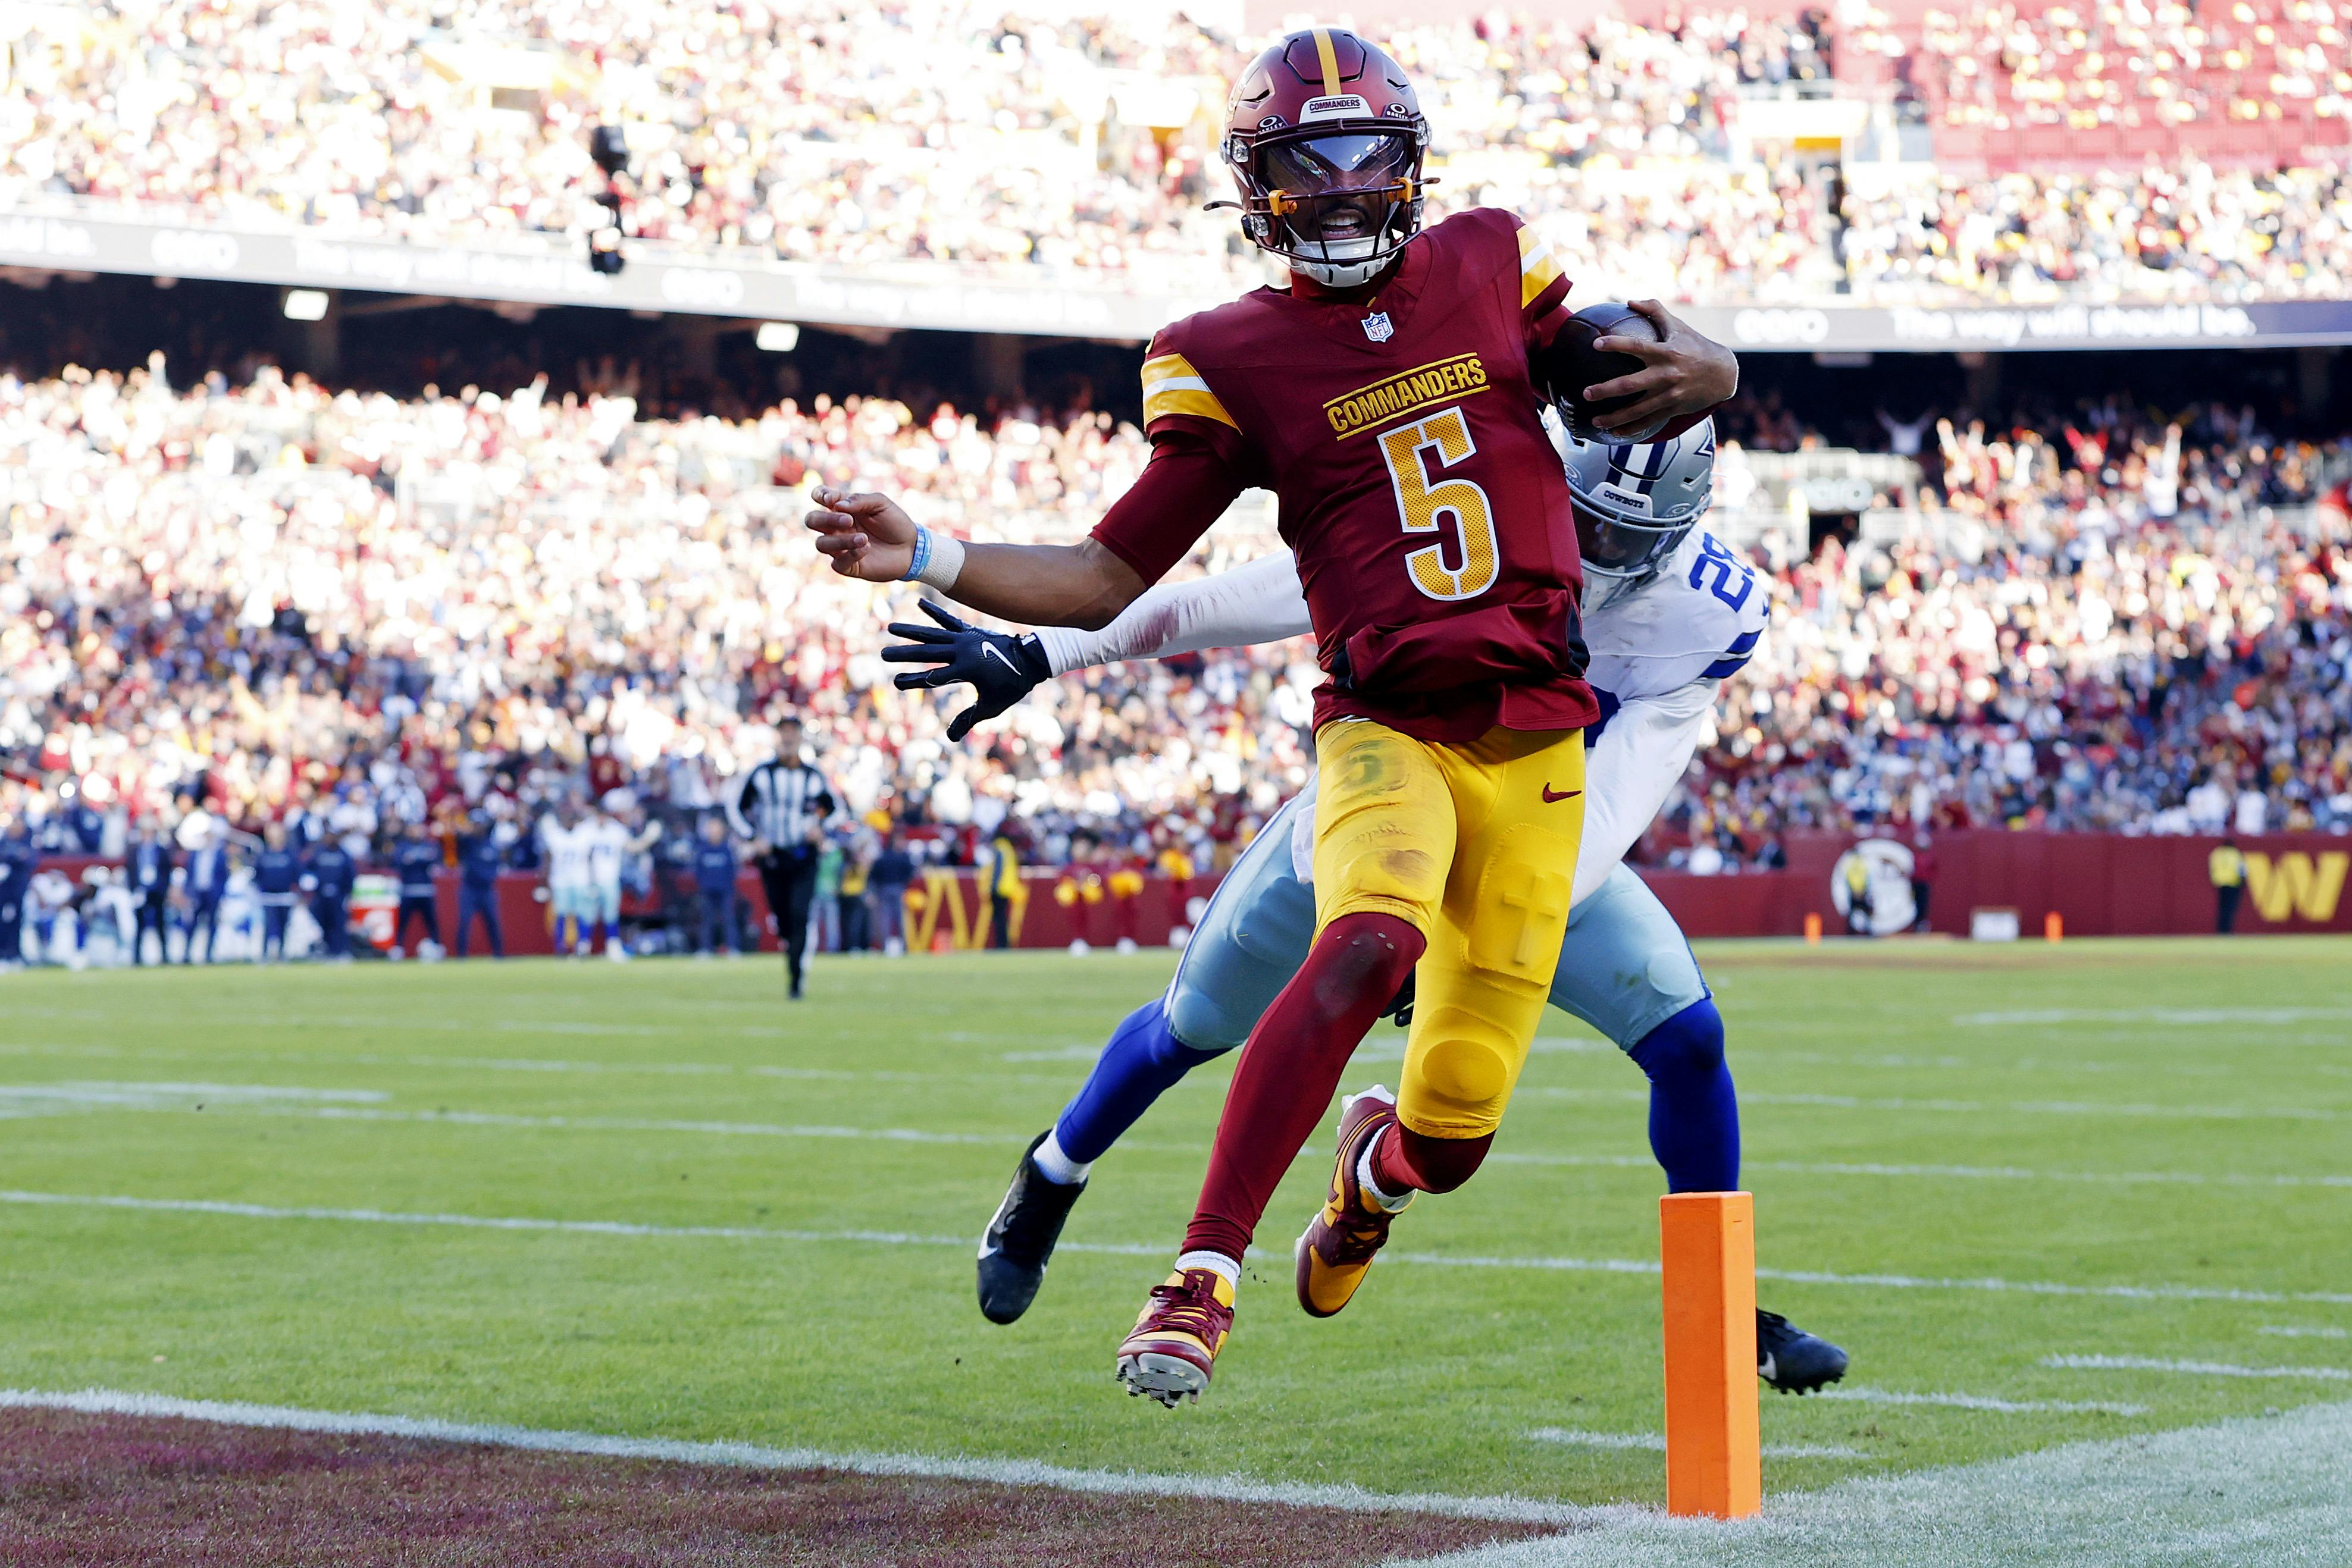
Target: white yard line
{"x": 1955, "y": 1173}
{"x": 1981, "y": 1401}
{"x": 753, "y": 1456}
{"x": 1577, "y": 1438}
{"x": 559, "y": 1065}
{"x": 1980, "y": 1107}
{"x": 2265, "y": 1490}
{"x": 255, "y": 1098}
{"x": 2187, "y": 1018}
{"x": 647, "y": 1125}
{"x": 2303, "y": 1331}
{"x": 1137, "y": 1249}
{"x": 2199, "y": 1368}
{"x": 173, "y": 1095}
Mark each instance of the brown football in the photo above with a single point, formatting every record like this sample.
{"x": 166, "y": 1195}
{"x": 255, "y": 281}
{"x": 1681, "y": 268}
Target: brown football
{"x": 1579, "y": 365}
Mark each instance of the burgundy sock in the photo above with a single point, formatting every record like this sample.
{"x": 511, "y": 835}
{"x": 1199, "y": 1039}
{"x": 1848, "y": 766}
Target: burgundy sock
{"x": 1406, "y": 1161}
{"x": 1291, "y": 1067}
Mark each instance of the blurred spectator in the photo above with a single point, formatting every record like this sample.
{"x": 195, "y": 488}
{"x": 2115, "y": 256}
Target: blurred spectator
{"x": 2226, "y": 867}
{"x": 277, "y": 873}
{"x": 894, "y": 872}
{"x": 329, "y": 871}
{"x": 999, "y": 882}
{"x": 715, "y": 871}
{"x": 826, "y": 932}
{"x": 414, "y": 861}
{"x": 207, "y": 885}
{"x": 1923, "y": 879}
{"x": 481, "y": 856}
{"x": 856, "y": 911}
{"x": 19, "y": 859}
{"x": 150, "y": 870}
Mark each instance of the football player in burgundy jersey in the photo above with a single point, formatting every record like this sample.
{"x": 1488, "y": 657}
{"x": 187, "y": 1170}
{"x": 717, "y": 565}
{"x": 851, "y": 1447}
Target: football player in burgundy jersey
{"x": 1390, "y": 399}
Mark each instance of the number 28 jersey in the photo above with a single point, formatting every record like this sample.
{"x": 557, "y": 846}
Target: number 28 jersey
{"x": 1416, "y": 485}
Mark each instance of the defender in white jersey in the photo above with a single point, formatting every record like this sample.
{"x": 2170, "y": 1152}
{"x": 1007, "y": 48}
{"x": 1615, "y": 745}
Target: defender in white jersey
{"x": 609, "y": 842}
{"x": 1669, "y": 613}
{"x": 568, "y": 840}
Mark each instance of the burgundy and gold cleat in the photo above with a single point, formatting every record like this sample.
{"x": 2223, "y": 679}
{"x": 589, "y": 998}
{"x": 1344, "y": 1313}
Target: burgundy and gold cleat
{"x": 1174, "y": 1347}
{"x": 1339, "y": 1245}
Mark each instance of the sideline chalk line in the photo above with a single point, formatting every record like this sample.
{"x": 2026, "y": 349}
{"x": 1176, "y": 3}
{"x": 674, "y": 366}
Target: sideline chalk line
{"x": 1133, "y": 1249}
{"x": 2203, "y": 1368}
{"x": 753, "y": 1456}
{"x": 2260, "y": 1489}
{"x": 18, "y": 1099}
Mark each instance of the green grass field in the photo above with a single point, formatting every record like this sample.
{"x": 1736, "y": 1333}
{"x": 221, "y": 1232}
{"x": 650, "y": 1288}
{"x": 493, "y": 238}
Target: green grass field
{"x": 2173, "y": 1114}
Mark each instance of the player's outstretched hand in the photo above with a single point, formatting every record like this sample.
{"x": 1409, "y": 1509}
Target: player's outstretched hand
{"x": 866, "y": 537}
{"x": 1002, "y": 669}
{"x": 1687, "y": 372}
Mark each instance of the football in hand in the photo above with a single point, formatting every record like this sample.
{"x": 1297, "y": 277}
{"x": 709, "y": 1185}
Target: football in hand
{"x": 1582, "y": 366}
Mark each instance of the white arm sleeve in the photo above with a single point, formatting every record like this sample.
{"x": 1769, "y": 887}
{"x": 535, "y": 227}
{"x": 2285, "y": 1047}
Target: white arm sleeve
{"x": 1639, "y": 757}
{"x": 1260, "y": 603}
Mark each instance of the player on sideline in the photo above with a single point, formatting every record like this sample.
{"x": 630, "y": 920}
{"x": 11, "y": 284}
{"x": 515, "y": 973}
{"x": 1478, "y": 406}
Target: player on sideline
{"x": 1389, "y": 397}
{"x": 608, "y": 846}
{"x": 568, "y": 841}
{"x": 1670, "y": 611}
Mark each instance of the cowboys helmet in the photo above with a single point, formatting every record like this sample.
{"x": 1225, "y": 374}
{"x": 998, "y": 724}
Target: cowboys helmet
{"x": 1635, "y": 503}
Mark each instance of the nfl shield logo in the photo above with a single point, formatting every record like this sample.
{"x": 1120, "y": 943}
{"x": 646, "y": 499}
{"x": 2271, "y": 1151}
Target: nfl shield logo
{"x": 1377, "y": 326}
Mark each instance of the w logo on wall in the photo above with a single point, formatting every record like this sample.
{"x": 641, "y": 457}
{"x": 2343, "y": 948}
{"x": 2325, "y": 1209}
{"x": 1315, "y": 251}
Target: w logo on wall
{"x": 2293, "y": 887}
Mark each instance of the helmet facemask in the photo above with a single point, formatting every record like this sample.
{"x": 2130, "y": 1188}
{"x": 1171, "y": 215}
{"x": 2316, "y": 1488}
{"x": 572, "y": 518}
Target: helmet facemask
{"x": 1622, "y": 553}
{"x": 1634, "y": 503}
{"x": 1336, "y": 204}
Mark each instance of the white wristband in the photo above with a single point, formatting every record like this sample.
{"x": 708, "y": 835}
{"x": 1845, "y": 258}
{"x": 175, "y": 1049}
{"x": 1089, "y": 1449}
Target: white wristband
{"x": 938, "y": 559}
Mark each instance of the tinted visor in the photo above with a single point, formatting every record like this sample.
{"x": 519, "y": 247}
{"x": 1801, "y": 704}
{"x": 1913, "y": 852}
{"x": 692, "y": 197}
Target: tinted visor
{"x": 1624, "y": 549}
{"x": 1307, "y": 166}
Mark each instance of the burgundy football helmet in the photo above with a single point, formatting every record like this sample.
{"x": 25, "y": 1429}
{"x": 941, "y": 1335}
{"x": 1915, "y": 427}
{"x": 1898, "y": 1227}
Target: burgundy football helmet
{"x": 1325, "y": 138}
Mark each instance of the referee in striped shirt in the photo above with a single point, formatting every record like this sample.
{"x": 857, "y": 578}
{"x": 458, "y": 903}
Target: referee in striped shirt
{"x": 782, "y": 808}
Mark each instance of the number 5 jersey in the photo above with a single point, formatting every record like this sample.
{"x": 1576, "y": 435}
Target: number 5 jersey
{"x": 1401, "y": 437}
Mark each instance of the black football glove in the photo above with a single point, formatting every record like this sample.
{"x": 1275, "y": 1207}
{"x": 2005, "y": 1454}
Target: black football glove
{"x": 1400, "y": 1007}
{"x": 1000, "y": 669}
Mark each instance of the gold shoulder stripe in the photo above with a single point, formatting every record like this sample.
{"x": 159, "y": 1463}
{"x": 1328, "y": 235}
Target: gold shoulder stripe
{"x": 1538, "y": 270}
{"x": 1330, "y": 61}
{"x": 1166, "y": 365}
{"x": 1191, "y": 396}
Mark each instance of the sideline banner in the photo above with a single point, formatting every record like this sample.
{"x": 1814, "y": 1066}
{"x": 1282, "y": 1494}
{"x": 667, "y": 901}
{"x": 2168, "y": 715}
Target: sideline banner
{"x": 2098, "y": 885}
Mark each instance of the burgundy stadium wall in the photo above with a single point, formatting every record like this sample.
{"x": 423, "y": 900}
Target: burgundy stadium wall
{"x": 2099, "y": 884}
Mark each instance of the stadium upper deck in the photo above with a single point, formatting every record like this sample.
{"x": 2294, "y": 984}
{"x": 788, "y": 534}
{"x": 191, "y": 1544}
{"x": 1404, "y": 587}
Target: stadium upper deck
{"x": 950, "y": 165}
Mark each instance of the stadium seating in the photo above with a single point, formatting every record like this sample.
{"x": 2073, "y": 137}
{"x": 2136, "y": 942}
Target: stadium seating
{"x": 271, "y": 599}
{"x": 1084, "y": 149}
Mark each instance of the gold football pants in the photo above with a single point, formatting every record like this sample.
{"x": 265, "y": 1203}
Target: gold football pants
{"x": 1474, "y": 845}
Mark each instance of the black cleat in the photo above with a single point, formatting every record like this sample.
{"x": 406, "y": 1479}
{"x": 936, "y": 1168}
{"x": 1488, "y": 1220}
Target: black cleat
{"x": 1791, "y": 1360}
{"x": 1019, "y": 1241}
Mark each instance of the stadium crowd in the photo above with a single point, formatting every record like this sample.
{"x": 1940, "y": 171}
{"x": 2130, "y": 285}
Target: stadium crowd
{"x": 2108, "y": 622}
{"x": 358, "y": 616}
{"x": 1084, "y": 148}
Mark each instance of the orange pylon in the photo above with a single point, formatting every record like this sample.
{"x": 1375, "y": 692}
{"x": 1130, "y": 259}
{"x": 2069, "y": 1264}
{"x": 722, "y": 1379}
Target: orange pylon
{"x": 1714, "y": 1447}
